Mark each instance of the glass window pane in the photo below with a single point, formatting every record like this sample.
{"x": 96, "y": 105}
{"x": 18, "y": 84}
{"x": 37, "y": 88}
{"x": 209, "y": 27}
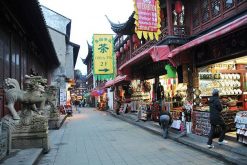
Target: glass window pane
{"x": 215, "y": 7}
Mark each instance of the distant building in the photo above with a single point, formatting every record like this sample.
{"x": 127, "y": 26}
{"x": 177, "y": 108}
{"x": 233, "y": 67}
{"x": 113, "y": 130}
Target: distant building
{"x": 89, "y": 77}
{"x": 59, "y": 28}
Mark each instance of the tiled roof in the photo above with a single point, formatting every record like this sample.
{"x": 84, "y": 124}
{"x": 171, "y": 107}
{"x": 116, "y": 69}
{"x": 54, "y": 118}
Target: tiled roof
{"x": 29, "y": 15}
{"x": 89, "y": 54}
{"x": 126, "y": 28}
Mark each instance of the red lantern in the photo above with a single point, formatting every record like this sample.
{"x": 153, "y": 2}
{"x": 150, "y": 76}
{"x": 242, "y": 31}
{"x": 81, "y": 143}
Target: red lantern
{"x": 128, "y": 43}
{"x": 137, "y": 44}
{"x": 121, "y": 50}
{"x": 135, "y": 38}
{"x": 118, "y": 54}
{"x": 125, "y": 47}
{"x": 178, "y": 7}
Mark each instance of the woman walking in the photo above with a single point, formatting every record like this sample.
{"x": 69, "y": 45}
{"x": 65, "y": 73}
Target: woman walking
{"x": 216, "y": 119}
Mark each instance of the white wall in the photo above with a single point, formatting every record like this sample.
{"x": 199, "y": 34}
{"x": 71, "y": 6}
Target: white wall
{"x": 111, "y": 98}
{"x": 58, "y": 40}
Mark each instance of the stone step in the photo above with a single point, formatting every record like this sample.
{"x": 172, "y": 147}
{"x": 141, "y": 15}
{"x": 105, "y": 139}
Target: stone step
{"x": 219, "y": 151}
{"x": 232, "y": 146}
{"x": 233, "y": 153}
{"x": 23, "y": 157}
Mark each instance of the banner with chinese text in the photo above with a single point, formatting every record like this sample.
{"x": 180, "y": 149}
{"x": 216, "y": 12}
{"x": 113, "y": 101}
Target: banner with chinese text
{"x": 103, "y": 64}
{"x": 147, "y": 19}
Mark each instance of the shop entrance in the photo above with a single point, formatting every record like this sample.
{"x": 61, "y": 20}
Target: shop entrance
{"x": 230, "y": 78}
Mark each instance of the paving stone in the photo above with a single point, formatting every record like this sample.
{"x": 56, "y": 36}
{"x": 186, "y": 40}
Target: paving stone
{"x": 96, "y": 137}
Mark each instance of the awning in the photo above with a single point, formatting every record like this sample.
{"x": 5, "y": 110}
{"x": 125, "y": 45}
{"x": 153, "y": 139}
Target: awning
{"x": 117, "y": 80}
{"x": 214, "y": 34}
{"x": 98, "y": 92}
{"x": 121, "y": 78}
{"x": 109, "y": 83}
{"x": 158, "y": 53}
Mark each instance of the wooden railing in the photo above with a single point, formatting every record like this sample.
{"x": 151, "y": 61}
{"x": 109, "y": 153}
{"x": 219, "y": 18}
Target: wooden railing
{"x": 129, "y": 55}
{"x": 179, "y": 31}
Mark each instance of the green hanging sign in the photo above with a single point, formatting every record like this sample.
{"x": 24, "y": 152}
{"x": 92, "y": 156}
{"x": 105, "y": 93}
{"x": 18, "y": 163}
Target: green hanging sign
{"x": 171, "y": 71}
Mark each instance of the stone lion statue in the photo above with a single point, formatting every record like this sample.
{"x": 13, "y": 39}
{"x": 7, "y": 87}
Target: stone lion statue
{"x": 33, "y": 95}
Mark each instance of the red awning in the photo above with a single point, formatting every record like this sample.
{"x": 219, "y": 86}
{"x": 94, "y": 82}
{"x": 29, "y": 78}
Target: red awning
{"x": 98, "y": 92}
{"x": 121, "y": 78}
{"x": 157, "y": 53}
{"x": 118, "y": 79}
{"x": 109, "y": 83}
{"x": 213, "y": 34}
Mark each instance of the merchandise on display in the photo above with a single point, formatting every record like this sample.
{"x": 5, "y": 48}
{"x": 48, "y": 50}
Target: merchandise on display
{"x": 229, "y": 78}
{"x": 202, "y": 126}
{"x": 241, "y": 125}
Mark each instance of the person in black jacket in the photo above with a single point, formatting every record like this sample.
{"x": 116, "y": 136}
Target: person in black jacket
{"x": 165, "y": 121}
{"x": 216, "y": 119}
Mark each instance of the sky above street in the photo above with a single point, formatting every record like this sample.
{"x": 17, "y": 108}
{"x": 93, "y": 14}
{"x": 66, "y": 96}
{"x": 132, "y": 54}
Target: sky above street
{"x": 88, "y": 18}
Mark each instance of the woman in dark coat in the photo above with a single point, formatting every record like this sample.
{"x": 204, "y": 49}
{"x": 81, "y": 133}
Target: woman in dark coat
{"x": 216, "y": 119}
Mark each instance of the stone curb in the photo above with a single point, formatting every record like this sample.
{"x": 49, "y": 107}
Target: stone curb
{"x": 61, "y": 124}
{"x": 177, "y": 138}
{"x": 26, "y": 156}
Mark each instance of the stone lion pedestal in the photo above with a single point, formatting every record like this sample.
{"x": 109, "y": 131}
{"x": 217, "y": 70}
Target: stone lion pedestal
{"x": 54, "y": 120}
{"x": 30, "y": 132}
{"x": 4, "y": 141}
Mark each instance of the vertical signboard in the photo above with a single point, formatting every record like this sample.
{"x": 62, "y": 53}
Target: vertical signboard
{"x": 103, "y": 56}
{"x": 62, "y": 96}
{"x": 147, "y": 16}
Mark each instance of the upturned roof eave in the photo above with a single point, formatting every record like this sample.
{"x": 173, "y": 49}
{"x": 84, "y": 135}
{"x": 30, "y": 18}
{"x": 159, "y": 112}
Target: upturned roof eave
{"x": 123, "y": 28}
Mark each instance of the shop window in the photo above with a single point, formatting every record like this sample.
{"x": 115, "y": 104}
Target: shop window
{"x": 239, "y": 1}
{"x": 205, "y": 11}
{"x": 178, "y": 13}
{"x": 195, "y": 16}
{"x": 215, "y": 7}
{"x": 228, "y": 4}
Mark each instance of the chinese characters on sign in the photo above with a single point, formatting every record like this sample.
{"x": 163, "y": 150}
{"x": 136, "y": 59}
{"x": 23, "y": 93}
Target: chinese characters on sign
{"x": 103, "y": 54}
{"x": 147, "y": 18}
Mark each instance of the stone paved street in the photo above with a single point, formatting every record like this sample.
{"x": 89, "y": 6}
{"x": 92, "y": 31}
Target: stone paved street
{"x": 96, "y": 138}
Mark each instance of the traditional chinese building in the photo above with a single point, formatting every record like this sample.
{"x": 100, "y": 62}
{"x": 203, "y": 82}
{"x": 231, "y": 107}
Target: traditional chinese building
{"x": 89, "y": 77}
{"x": 198, "y": 40}
{"x": 26, "y": 46}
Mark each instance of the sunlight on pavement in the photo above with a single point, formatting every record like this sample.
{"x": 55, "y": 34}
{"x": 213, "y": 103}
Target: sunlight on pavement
{"x": 79, "y": 116}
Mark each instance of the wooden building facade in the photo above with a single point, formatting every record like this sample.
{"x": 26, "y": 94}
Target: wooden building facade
{"x": 25, "y": 44}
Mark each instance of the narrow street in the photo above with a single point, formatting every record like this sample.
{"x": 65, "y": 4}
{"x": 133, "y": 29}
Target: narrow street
{"x": 96, "y": 138}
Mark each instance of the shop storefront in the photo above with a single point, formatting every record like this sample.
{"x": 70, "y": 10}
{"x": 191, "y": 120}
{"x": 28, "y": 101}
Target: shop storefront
{"x": 174, "y": 99}
{"x": 141, "y": 97}
{"x": 230, "y": 78}
{"x": 101, "y": 98}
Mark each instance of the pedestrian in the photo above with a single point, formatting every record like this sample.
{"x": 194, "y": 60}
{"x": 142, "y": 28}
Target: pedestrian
{"x": 216, "y": 119}
{"x": 165, "y": 121}
{"x": 77, "y": 102}
{"x": 84, "y": 103}
{"x": 117, "y": 105}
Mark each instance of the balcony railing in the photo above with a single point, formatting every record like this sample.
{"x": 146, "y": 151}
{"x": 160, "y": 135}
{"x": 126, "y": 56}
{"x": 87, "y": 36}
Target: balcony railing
{"x": 129, "y": 55}
{"x": 179, "y": 31}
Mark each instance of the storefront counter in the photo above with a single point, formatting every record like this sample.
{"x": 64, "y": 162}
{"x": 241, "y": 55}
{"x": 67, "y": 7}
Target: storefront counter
{"x": 201, "y": 122}
{"x": 241, "y": 125}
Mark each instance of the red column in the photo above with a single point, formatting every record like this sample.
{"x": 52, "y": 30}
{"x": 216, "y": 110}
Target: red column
{"x": 169, "y": 17}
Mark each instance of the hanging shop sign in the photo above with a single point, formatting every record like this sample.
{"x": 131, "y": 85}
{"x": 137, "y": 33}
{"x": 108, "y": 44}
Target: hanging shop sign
{"x": 147, "y": 18}
{"x": 63, "y": 96}
{"x": 103, "y": 56}
{"x": 228, "y": 46}
{"x": 171, "y": 71}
